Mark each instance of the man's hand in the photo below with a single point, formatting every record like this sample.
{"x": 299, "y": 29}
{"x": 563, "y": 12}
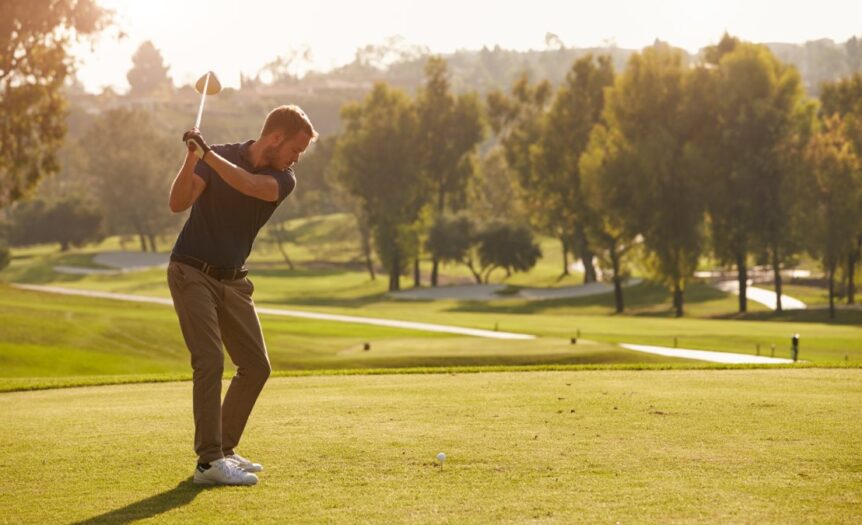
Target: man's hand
{"x": 195, "y": 142}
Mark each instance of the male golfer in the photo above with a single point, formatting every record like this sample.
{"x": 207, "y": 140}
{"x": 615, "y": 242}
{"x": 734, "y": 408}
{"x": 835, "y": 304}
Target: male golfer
{"x": 233, "y": 189}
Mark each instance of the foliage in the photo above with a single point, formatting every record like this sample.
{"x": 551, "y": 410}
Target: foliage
{"x": 375, "y": 163}
{"x": 756, "y": 113}
{"x": 450, "y": 129}
{"x": 655, "y": 112}
{"x": 131, "y": 161}
{"x": 34, "y": 65}
{"x": 71, "y": 221}
{"x": 507, "y": 246}
{"x": 834, "y": 185}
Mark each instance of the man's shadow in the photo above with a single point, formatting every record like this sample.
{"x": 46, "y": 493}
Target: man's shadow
{"x": 182, "y": 494}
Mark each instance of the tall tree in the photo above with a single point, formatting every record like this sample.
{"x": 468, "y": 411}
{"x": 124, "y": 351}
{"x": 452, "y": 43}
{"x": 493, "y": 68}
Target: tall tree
{"x": 556, "y": 177}
{"x": 450, "y": 129}
{"x": 609, "y": 174}
{"x": 375, "y": 162}
{"x": 844, "y": 98}
{"x": 149, "y": 74}
{"x": 656, "y": 108}
{"x": 757, "y": 101}
{"x": 835, "y": 187}
{"x": 518, "y": 121}
{"x": 132, "y": 179}
{"x": 34, "y": 64}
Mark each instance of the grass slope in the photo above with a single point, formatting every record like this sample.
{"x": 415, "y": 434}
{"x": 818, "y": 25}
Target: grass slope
{"x": 754, "y": 446}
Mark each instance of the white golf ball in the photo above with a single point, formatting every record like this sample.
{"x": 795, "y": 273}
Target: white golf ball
{"x": 441, "y": 457}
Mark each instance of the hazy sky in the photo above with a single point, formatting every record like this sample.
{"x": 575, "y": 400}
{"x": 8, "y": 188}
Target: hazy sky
{"x": 230, "y": 37}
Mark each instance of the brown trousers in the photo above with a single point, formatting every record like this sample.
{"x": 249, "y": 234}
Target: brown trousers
{"x": 212, "y": 312}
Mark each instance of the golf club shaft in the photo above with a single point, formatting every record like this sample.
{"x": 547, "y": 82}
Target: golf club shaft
{"x": 203, "y": 99}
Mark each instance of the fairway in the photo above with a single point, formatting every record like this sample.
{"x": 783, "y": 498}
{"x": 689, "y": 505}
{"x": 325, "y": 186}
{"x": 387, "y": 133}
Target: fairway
{"x": 755, "y": 446}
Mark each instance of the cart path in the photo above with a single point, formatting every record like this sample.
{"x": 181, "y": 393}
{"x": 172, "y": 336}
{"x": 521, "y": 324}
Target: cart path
{"x": 700, "y": 355}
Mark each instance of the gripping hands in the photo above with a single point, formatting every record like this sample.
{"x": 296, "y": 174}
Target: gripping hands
{"x": 195, "y": 142}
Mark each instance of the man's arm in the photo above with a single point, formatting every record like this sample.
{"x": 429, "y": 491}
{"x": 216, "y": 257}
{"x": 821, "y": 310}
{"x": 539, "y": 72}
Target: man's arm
{"x": 263, "y": 188}
{"x": 187, "y": 186}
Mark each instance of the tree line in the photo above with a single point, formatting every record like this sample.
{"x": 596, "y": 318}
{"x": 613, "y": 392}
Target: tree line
{"x": 661, "y": 164}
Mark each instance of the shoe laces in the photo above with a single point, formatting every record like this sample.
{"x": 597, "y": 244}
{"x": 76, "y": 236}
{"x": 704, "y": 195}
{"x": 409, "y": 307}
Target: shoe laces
{"x": 231, "y": 471}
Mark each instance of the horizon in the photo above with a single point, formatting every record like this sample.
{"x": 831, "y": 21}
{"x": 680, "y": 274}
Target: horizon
{"x": 242, "y": 43}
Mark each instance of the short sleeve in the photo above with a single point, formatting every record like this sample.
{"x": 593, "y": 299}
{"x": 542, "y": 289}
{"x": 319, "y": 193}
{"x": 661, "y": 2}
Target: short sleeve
{"x": 286, "y": 182}
{"x": 203, "y": 170}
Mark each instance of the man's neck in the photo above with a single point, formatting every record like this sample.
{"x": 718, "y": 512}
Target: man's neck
{"x": 255, "y": 155}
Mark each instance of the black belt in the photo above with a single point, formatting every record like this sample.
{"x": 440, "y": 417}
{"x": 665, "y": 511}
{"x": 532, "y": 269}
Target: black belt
{"x": 222, "y": 274}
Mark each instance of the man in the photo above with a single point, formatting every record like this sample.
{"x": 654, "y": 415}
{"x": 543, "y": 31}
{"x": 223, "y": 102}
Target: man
{"x": 232, "y": 189}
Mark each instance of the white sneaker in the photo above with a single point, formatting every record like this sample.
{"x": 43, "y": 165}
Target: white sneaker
{"x": 223, "y": 472}
{"x": 243, "y": 463}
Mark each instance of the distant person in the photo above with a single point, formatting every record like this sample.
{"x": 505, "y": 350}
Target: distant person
{"x": 232, "y": 189}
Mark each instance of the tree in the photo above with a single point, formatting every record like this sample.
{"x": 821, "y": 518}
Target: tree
{"x": 556, "y": 177}
{"x": 835, "y": 187}
{"x": 375, "y": 161}
{"x": 132, "y": 162}
{"x": 5, "y": 255}
{"x": 655, "y": 111}
{"x": 71, "y": 221}
{"x": 517, "y": 120}
{"x": 450, "y": 129}
{"x": 149, "y": 74}
{"x": 608, "y": 175}
{"x": 452, "y": 239}
{"x": 34, "y": 65}
{"x": 844, "y": 98}
{"x": 758, "y": 102}
{"x": 507, "y": 246}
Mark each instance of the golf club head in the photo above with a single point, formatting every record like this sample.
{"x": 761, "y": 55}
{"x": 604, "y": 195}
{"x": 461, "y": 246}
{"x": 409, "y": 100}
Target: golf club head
{"x": 212, "y": 87}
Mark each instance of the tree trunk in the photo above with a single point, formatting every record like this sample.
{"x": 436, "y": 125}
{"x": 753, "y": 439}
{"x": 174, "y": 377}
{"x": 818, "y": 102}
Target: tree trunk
{"x": 476, "y": 275}
{"x": 678, "y": 299}
{"x": 832, "y": 291}
{"x": 586, "y": 255}
{"x": 153, "y": 246}
{"x": 441, "y": 207}
{"x": 64, "y": 246}
{"x": 851, "y": 277}
{"x": 565, "y": 243}
{"x": 365, "y": 235}
{"x": 742, "y": 269}
{"x": 143, "y": 242}
{"x": 417, "y": 276}
{"x": 618, "y": 285}
{"x": 776, "y": 270}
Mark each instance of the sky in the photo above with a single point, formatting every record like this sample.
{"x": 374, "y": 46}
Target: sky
{"x": 231, "y": 37}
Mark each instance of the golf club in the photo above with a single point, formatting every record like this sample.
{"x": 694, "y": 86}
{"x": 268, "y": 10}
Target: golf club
{"x": 206, "y": 85}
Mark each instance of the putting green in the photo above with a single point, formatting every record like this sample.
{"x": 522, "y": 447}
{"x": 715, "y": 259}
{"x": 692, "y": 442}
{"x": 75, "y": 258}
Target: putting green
{"x": 764, "y": 446}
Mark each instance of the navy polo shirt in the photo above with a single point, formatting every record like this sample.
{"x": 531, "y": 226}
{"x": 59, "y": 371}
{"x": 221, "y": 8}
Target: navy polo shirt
{"x": 223, "y": 222}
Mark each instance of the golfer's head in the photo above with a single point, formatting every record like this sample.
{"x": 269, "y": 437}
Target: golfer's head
{"x": 287, "y": 132}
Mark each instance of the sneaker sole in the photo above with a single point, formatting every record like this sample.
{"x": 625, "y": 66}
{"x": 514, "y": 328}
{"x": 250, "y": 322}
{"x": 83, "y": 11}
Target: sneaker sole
{"x": 210, "y": 482}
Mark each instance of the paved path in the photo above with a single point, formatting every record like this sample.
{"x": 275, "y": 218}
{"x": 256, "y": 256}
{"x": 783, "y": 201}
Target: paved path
{"x": 705, "y": 355}
{"x": 428, "y": 327}
{"x": 762, "y": 296}
{"x": 700, "y": 355}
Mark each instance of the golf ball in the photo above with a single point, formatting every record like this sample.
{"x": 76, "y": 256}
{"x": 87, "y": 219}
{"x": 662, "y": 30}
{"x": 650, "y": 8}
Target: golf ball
{"x": 441, "y": 457}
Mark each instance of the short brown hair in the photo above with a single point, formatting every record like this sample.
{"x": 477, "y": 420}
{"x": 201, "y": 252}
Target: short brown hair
{"x": 289, "y": 119}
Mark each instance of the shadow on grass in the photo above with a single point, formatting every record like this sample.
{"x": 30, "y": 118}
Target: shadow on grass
{"x": 182, "y": 494}
{"x": 843, "y": 316}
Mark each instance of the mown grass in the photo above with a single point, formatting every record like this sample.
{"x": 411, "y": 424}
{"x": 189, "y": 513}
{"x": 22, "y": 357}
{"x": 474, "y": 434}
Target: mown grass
{"x": 734, "y": 446}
